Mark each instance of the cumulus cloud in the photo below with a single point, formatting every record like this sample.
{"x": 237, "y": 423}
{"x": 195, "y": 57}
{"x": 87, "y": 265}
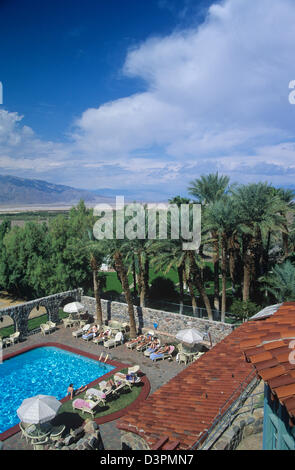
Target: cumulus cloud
{"x": 217, "y": 91}
{"x": 216, "y": 98}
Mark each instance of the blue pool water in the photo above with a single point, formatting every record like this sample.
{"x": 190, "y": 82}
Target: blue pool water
{"x": 46, "y": 371}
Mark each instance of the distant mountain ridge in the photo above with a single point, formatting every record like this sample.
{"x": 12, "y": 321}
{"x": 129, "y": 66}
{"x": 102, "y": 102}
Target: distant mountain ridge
{"x": 15, "y": 190}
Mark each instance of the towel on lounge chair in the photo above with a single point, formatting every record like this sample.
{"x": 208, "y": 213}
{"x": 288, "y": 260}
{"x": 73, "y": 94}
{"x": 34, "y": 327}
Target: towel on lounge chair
{"x": 155, "y": 356}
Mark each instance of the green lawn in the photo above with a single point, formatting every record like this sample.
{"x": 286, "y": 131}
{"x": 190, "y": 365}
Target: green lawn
{"x": 125, "y": 398}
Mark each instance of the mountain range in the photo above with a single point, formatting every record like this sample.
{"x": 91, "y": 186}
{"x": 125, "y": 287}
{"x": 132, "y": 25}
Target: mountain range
{"x": 14, "y": 190}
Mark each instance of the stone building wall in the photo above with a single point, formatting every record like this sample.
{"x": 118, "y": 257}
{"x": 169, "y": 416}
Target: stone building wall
{"x": 20, "y": 313}
{"x": 169, "y": 323}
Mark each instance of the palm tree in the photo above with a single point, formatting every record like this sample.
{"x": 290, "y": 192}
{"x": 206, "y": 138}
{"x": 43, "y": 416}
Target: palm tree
{"x": 259, "y": 212}
{"x": 221, "y": 218}
{"x": 194, "y": 263}
{"x": 95, "y": 264}
{"x": 287, "y": 197}
{"x": 115, "y": 249}
{"x": 209, "y": 189}
{"x": 281, "y": 282}
{"x": 166, "y": 255}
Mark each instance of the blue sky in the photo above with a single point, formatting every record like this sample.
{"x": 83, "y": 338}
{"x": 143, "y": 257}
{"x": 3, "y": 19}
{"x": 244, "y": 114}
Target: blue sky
{"x": 139, "y": 97}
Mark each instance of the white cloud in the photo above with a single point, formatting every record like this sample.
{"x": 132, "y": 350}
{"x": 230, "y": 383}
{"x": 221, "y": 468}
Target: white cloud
{"x": 210, "y": 91}
{"x": 216, "y": 98}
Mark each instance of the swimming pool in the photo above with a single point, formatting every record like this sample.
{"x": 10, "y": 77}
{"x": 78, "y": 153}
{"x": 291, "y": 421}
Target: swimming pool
{"x": 46, "y": 370}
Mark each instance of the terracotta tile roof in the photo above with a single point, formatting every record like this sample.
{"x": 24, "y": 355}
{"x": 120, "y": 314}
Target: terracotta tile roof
{"x": 184, "y": 408}
{"x": 269, "y": 353}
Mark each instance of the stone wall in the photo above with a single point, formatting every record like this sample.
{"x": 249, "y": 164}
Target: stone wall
{"x": 168, "y": 323}
{"x": 20, "y": 313}
{"x": 248, "y": 421}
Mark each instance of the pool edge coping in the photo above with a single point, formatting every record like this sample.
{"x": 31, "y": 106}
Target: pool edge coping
{"x": 117, "y": 367}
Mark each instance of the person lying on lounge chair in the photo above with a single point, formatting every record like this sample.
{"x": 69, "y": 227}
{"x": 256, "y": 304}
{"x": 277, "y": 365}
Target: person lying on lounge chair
{"x": 109, "y": 384}
{"x": 132, "y": 378}
{"x": 104, "y": 334}
{"x": 153, "y": 346}
{"x": 135, "y": 340}
{"x": 91, "y": 333}
{"x": 141, "y": 345}
{"x": 164, "y": 349}
{"x": 73, "y": 392}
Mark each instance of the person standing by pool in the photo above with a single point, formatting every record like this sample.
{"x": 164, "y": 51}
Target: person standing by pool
{"x": 73, "y": 392}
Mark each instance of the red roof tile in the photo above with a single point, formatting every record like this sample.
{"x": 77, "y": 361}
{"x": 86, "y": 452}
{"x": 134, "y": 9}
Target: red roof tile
{"x": 270, "y": 354}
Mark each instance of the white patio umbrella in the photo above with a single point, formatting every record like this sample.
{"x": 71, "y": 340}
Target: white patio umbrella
{"x": 38, "y": 409}
{"x": 190, "y": 336}
{"x": 74, "y": 307}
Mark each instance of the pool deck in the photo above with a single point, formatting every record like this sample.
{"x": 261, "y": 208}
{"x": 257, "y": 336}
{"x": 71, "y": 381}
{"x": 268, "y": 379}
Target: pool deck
{"x": 158, "y": 374}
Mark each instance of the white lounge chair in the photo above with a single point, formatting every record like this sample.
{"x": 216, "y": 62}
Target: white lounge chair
{"x": 14, "y": 338}
{"x": 96, "y": 395}
{"x": 134, "y": 342}
{"x": 105, "y": 388}
{"x": 133, "y": 369}
{"x": 81, "y": 331}
{"x": 120, "y": 378}
{"x": 166, "y": 355}
{"x": 150, "y": 350}
{"x": 114, "y": 342}
{"x": 86, "y": 406}
{"x": 102, "y": 339}
{"x": 45, "y": 328}
{"x": 52, "y": 325}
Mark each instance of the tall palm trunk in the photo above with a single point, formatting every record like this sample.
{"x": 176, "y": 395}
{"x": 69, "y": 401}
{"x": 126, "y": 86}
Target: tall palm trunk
{"x": 96, "y": 288}
{"x": 181, "y": 289}
{"x": 199, "y": 284}
{"x": 146, "y": 275}
{"x": 234, "y": 256}
{"x": 134, "y": 275}
{"x": 141, "y": 281}
{"x": 216, "y": 270}
{"x": 223, "y": 274}
{"x": 188, "y": 281}
{"x": 124, "y": 279}
{"x": 248, "y": 260}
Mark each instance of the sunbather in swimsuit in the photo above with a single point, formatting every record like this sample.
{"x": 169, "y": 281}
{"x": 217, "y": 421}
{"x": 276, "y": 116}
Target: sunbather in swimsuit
{"x": 73, "y": 392}
{"x": 160, "y": 352}
{"x": 135, "y": 340}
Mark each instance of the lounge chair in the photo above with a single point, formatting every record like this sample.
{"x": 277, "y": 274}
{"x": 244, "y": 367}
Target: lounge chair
{"x": 126, "y": 379}
{"x": 51, "y": 324}
{"x": 100, "y": 339}
{"x": 105, "y": 388}
{"x": 96, "y": 395}
{"x": 114, "y": 342}
{"x": 133, "y": 369}
{"x": 168, "y": 355}
{"x": 14, "y": 338}
{"x": 121, "y": 382}
{"x": 86, "y": 406}
{"x": 91, "y": 335}
{"x": 145, "y": 343}
{"x": 134, "y": 342}
{"x": 152, "y": 349}
{"x": 45, "y": 328}
{"x": 81, "y": 331}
